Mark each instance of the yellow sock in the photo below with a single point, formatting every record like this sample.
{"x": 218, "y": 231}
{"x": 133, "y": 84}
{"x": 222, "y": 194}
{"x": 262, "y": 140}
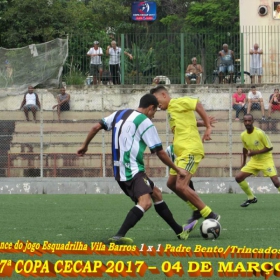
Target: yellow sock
{"x": 245, "y": 187}
{"x": 279, "y": 189}
{"x": 191, "y": 206}
{"x": 205, "y": 211}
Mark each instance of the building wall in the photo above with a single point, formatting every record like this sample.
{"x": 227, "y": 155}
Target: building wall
{"x": 263, "y": 30}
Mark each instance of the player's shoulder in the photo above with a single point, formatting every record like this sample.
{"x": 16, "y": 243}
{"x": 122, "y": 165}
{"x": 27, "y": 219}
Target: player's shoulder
{"x": 258, "y": 130}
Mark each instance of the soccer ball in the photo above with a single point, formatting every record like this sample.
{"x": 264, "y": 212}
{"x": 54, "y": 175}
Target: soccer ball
{"x": 210, "y": 229}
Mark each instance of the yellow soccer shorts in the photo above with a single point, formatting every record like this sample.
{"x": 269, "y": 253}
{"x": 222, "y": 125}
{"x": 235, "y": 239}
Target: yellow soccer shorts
{"x": 267, "y": 167}
{"x": 188, "y": 162}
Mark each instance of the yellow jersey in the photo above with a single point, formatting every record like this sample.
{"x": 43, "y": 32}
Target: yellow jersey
{"x": 257, "y": 140}
{"x": 183, "y": 124}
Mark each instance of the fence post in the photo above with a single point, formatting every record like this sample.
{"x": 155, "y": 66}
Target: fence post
{"x": 41, "y": 139}
{"x": 182, "y": 60}
{"x": 230, "y": 134}
{"x": 103, "y": 140}
{"x": 122, "y": 59}
{"x": 242, "y": 57}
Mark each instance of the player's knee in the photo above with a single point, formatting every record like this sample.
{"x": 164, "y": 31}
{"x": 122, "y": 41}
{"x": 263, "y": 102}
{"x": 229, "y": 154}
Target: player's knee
{"x": 147, "y": 205}
{"x": 157, "y": 195}
{"x": 238, "y": 179}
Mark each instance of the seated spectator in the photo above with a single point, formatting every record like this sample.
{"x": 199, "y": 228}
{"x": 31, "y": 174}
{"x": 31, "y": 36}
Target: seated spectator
{"x": 63, "y": 100}
{"x": 194, "y": 71}
{"x": 274, "y": 102}
{"x": 255, "y": 101}
{"x": 226, "y": 63}
{"x": 239, "y": 102}
{"x": 161, "y": 80}
{"x": 31, "y": 103}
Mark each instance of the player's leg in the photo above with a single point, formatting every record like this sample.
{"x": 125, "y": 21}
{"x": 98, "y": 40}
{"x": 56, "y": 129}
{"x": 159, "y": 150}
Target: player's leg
{"x": 165, "y": 213}
{"x": 171, "y": 184}
{"x": 139, "y": 190}
{"x": 276, "y": 182}
{"x": 269, "y": 170}
{"x": 189, "y": 163}
{"x": 245, "y": 172}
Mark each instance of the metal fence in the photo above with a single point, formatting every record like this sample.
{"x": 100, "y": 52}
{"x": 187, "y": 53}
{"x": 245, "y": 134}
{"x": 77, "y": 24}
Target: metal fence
{"x": 48, "y": 148}
{"x": 168, "y": 54}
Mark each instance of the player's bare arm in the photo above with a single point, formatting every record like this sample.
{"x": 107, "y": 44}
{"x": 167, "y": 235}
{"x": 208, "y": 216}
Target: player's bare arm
{"x": 162, "y": 155}
{"x": 212, "y": 120}
{"x": 245, "y": 153}
{"x": 257, "y": 152}
{"x": 95, "y": 129}
{"x": 202, "y": 113}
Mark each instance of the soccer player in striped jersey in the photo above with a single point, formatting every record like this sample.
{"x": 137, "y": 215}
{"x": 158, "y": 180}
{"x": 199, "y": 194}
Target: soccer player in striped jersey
{"x": 188, "y": 146}
{"x": 258, "y": 147}
{"x": 132, "y": 132}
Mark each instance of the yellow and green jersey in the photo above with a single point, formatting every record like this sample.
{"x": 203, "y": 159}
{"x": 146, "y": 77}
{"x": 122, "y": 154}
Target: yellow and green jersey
{"x": 183, "y": 124}
{"x": 257, "y": 140}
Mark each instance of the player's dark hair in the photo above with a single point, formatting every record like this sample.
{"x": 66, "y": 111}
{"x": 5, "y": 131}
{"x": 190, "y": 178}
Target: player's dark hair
{"x": 249, "y": 115}
{"x": 157, "y": 89}
{"x": 253, "y": 86}
{"x": 148, "y": 100}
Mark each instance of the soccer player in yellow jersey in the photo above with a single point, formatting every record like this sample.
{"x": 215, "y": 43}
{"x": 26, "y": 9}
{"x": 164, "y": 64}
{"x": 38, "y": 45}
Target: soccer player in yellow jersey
{"x": 187, "y": 144}
{"x": 257, "y": 146}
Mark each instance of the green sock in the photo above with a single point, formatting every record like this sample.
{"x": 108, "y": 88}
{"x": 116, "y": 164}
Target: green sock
{"x": 191, "y": 206}
{"x": 245, "y": 187}
{"x": 205, "y": 211}
{"x": 278, "y": 189}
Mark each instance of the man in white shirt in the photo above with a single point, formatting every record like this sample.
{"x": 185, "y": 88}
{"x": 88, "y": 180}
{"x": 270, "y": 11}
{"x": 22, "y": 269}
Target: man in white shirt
{"x": 31, "y": 103}
{"x": 95, "y": 62}
{"x": 276, "y": 12}
{"x": 255, "y": 101}
{"x": 114, "y": 53}
{"x": 256, "y": 63}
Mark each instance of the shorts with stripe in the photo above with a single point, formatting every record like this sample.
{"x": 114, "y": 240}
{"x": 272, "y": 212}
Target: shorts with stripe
{"x": 188, "y": 162}
{"x": 139, "y": 185}
{"x": 267, "y": 167}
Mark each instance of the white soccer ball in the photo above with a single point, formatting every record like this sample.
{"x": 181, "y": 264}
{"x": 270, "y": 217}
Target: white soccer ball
{"x": 210, "y": 229}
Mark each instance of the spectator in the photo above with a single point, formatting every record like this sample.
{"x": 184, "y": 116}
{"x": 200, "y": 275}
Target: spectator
{"x": 274, "y": 102}
{"x": 276, "y": 12}
{"x": 226, "y": 63}
{"x": 239, "y": 102}
{"x": 256, "y": 63}
{"x": 31, "y": 103}
{"x": 255, "y": 101}
{"x": 114, "y": 53}
{"x": 95, "y": 62}
{"x": 193, "y": 71}
{"x": 63, "y": 100}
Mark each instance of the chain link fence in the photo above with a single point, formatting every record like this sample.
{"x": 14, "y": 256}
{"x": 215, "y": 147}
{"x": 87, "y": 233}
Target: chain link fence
{"x": 47, "y": 148}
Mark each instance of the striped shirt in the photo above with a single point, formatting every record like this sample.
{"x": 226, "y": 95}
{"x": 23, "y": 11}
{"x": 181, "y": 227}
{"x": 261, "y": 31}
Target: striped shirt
{"x": 132, "y": 132}
{"x": 96, "y": 60}
{"x": 115, "y": 55}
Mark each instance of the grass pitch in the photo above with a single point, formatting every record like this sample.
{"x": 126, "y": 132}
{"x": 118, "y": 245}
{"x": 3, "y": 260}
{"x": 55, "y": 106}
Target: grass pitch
{"x": 89, "y": 218}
